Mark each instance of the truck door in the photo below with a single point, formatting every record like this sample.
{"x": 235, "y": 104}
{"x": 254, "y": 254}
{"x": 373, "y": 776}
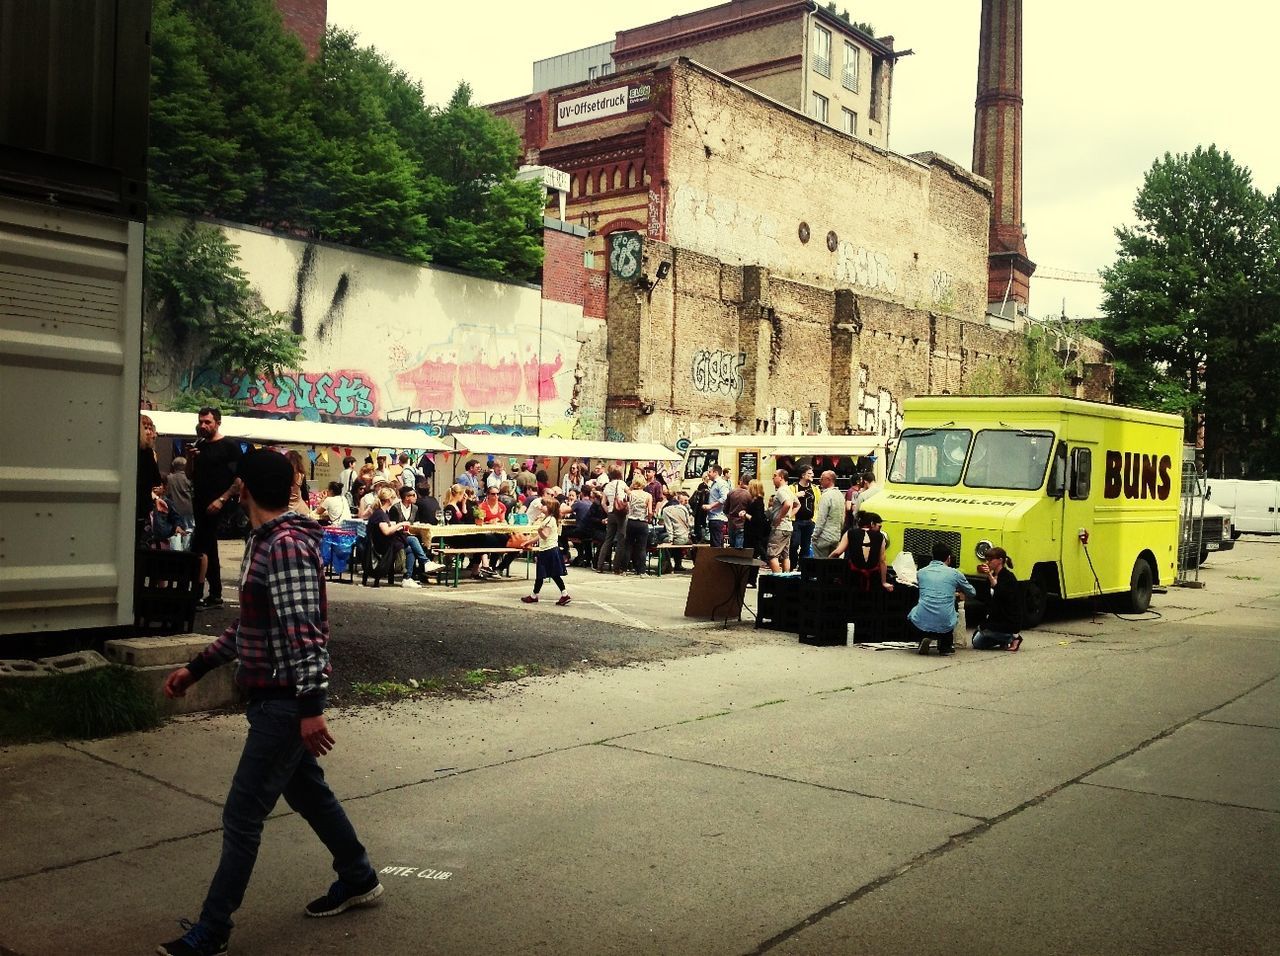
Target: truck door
{"x": 1077, "y": 514}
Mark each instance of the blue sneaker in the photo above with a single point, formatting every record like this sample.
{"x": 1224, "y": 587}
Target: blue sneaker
{"x": 341, "y": 898}
{"x": 197, "y": 941}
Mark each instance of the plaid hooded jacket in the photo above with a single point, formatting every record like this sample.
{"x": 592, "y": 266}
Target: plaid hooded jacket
{"x": 282, "y": 635}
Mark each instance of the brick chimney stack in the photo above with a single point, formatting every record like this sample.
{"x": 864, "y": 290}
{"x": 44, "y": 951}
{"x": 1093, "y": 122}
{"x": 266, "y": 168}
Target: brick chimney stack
{"x": 997, "y": 154}
{"x": 307, "y": 20}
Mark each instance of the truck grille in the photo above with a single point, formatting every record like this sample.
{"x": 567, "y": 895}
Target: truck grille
{"x": 920, "y": 541}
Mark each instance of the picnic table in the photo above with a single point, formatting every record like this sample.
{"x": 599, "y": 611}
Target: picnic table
{"x": 441, "y": 533}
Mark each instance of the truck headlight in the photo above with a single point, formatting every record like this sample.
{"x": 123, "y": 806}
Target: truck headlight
{"x": 982, "y": 548}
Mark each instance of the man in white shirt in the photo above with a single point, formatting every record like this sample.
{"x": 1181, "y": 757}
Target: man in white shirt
{"x": 496, "y": 477}
{"x": 828, "y": 520}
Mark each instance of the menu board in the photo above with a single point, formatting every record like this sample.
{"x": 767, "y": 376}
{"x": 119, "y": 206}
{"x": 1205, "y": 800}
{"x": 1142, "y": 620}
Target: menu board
{"x": 748, "y": 465}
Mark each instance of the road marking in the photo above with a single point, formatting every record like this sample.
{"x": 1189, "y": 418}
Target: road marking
{"x": 629, "y": 618}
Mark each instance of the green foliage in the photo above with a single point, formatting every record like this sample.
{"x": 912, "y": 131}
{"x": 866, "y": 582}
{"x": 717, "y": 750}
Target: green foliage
{"x": 200, "y": 311}
{"x": 1039, "y": 368}
{"x": 1192, "y": 307}
{"x": 343, "y": 148}
{"x": 96, "y": 703}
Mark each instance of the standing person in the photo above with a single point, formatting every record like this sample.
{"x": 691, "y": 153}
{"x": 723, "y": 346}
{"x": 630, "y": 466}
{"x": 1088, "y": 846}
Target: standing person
{"x": 615, "y": 500}
{"x": 526, "y": 480}
{"x": 549, "y": 562}
{"x": 497, "y": 475}
{"x": 1004, "y": 608}
{"x": 348, "y": 479}
{"x": 574, "y": 480}
{"x": 828, "y": 520}
{"x": 781, "y": 509}
{"x": 757, "y": 527}
{"x": 866, "y": 491}
{"x": 934, "y": 616}
{"x": 639, "y": 514}
{"x": 717, "y": 494}
{"x": 299, "y": 494}
{"x": 696, "y": 502}
{"x": 211, "y": 466}
{"x": 426, "y": 469}
{"x": 408, "y": 474}
{"x": 802, "y": 523}
{"x": 149, "y": 479}
{"x": 177, "y": 492}
{"x": 281, "y": 643}
{"x": 653, "y": 484}
{"x": 735, "y": 506}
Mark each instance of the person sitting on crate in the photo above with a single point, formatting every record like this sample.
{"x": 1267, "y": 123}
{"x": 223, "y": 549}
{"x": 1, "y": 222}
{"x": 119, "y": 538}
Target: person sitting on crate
{"x": 677, "y": 519}
{"x": 934, "y": 616}
{"x": 864, "y": 547}
{"x": 999, "y": 632}
{"x": 386, "y": 539}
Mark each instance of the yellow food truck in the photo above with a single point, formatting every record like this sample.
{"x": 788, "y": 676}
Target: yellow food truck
{"x": 1084, "y": 496}
{"x": 759, "y": 456}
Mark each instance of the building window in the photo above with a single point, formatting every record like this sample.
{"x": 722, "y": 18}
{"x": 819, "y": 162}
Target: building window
{"x": 822, "y": 50}
{"x": 849, "y": 122}
{"x": 592, "y": 71}
{"x": 849, "y": 77}
{"x": 606, "y": 69}
{"x": 819, "y": 110}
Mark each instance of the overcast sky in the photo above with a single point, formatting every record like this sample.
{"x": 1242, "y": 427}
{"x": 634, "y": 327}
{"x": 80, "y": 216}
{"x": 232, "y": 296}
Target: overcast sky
{"x": 1108, "y": 88}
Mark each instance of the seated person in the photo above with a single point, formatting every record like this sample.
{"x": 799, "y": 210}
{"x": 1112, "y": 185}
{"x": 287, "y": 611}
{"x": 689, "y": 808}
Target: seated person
{"x": 335, "y": 509}
{"x": 677, "y": 519}
{"x": 386, "y": 537}
{"x": 406, "y": 512}
{"x": 1004, "y": 608}
{"x": 934, "y": 616}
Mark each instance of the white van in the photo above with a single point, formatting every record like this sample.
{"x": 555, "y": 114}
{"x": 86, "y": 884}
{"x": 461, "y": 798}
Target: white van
{"x": 1254, "y": 505}
{"x": 759, "y": 456}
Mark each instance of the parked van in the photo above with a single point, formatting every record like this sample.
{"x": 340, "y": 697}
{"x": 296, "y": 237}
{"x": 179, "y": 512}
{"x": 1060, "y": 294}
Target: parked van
{"x": 1254, "y": 505}
{"x": 1084, "y": 496}
{"x": 759, "y": 456}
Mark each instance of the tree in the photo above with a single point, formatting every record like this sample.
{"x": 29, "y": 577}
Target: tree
{"x": 1192, "y": 301}
{"x": 200, "y": 312}
{"x": 1039, "y": 368}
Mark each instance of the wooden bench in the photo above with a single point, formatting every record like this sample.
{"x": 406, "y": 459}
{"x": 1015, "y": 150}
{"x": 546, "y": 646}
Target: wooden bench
{"x": 444, "y": 552}
{"x": 659, "y": 552}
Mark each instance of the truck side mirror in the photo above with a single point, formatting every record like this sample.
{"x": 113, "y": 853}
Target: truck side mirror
{"x": 1058, "y": 472}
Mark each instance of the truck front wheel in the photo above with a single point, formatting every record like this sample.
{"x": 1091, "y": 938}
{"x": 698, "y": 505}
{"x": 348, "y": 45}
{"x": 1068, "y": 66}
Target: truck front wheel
{"x": 1140, "y": 583}
{"x": 1034, "y": 603}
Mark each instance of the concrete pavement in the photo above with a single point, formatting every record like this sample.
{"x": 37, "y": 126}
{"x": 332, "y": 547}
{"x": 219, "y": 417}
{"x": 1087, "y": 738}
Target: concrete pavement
{"x": 1111, "y": 788}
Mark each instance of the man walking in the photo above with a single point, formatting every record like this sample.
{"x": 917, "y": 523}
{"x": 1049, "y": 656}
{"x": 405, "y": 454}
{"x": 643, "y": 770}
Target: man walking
{"x": 280, "y": 641}
{"x": 211, "y": 466}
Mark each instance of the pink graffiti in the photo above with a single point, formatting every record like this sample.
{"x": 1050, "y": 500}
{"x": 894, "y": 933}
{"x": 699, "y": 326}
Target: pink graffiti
{"x": 432, "y": 383}
{"x": 539, "y": 379}
{"x": 486, "y": 386}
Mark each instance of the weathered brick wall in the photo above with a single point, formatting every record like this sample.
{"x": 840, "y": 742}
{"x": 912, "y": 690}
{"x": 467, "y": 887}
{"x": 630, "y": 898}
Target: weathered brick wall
{"x": 745, "y": 175}
{"x": 563, "y": 276}
{"x": 307, "y": 20}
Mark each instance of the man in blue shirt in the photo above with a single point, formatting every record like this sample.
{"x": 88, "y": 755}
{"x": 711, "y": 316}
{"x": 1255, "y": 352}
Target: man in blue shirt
{"x": 717, "y": 520}
{"x": 934, "y": 616}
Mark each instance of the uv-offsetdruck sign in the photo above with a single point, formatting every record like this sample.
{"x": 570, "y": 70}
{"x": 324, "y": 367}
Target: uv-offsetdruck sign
{"x": 605, "y": 103}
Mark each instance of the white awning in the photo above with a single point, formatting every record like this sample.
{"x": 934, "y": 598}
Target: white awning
{"x": 532, "y": 446}
{"x": 285, "y": 432}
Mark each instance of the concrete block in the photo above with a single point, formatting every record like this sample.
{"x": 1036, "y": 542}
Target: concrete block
{"x": 75, "y": 663}
{"x": 215, "y": 691}
{"x": 19, "y": 669}
{"x": 152, "y": 651}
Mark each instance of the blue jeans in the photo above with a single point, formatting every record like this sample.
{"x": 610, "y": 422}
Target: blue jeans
{"x": 413, "y": 553}
{"x": 275, "y": 763}
{"x": 984, "y": 640}
{"x": 737, "y": 537}
{"x": 801, "y": 539}
{"x": 718, "y": 529}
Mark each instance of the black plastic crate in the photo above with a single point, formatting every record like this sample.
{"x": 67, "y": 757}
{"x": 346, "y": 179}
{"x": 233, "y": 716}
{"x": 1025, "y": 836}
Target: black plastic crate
{"x": 828, "y": 572}
{"x": 823, "y": 625}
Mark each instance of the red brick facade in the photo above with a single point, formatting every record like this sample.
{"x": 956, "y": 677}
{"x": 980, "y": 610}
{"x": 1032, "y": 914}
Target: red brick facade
{"x": 563, "y": 277}
{"x": 307, "y": 20}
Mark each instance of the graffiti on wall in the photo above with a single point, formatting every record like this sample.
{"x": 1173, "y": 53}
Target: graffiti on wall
{"x": 716, "y": 372}
{"x": 343, "y": 393}
{"x": 878, "y": 412}
{"x": 859, "y": 266}
{"x": 793, "y": 421}
{"x": 436, "y": 381}
{"x": 942, "y": 283}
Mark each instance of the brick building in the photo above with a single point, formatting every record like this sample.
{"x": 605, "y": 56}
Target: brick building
{"x": 788, "y": 277}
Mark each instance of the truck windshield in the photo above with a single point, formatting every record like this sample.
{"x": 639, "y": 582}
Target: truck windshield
{"x": 1009, "y": 458}
{"x": 699, "y": 460}
{"x": 930, "y": 456}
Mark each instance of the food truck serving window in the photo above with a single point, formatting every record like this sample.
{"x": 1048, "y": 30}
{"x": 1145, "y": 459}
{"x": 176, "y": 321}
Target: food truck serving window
{"x": 1009, "y": 458}
{"x": 699, "y": 460}
{"x": 930, "y": 456}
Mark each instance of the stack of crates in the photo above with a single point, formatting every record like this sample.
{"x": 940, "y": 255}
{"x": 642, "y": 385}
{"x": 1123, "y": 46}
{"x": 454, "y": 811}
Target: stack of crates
{"x": 824, "y": 601}
{"x": 777, "y": 602}
{"x": 880, "y": 615}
